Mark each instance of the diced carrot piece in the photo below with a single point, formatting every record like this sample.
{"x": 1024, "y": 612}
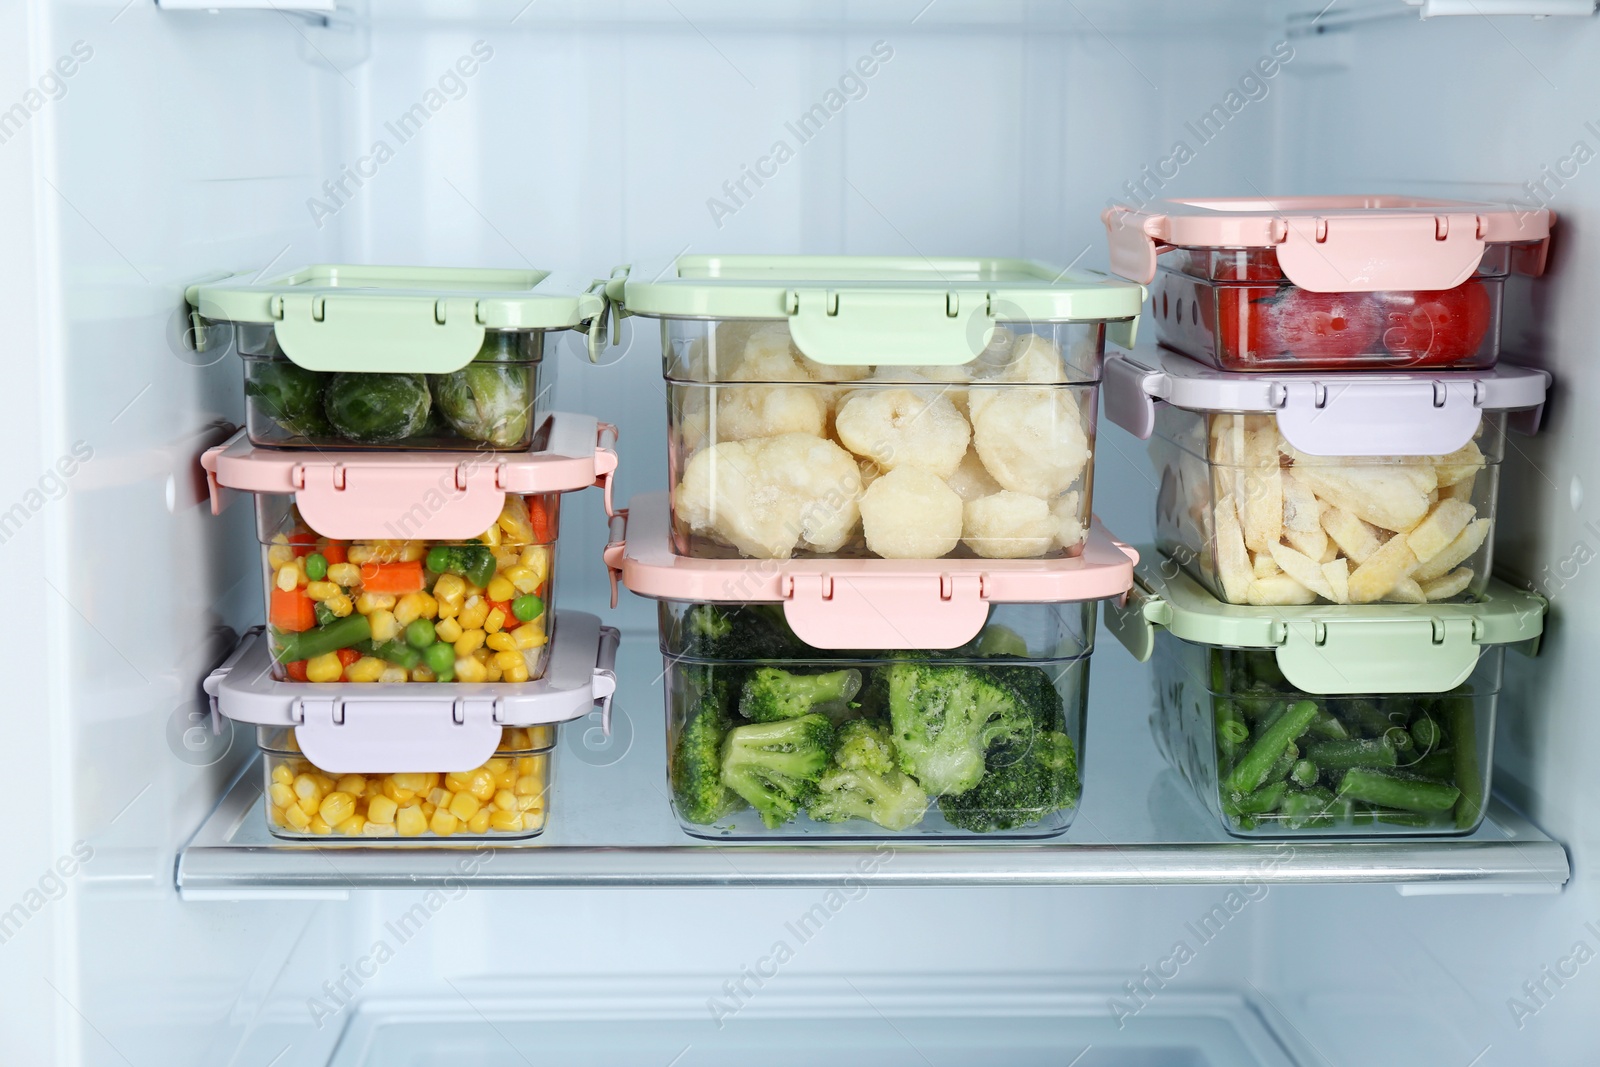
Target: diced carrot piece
{"x": 297, "y": 670}
{"x": 304, "y": 542}
{"x": 504, "y": 606}
{"x": 539, "y": 518}
{"x": 406, "y": 577}
{"x": 347, "y": 656}
{"x": 333, "y": 551}
{"x": 291, "y": 610}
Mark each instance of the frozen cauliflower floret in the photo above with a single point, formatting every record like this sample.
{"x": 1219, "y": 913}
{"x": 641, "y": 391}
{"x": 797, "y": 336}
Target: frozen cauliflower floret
{"x": 970, "y": 480}
{"x": 765, "y": 497}
{"x": 1031, "y": 440}
{"x": 904, "y": 428}
{"x": 768, "y": 356}
{"x": 995, "y": 354}
{"x": 1070, "y": 531}
{"x": 1032, "y": 359}
{"x": 910, "y": 513}
{"x": 1009, "y": 525}
{"x": 746, "y": 411}
{"x": 692, "y": 408}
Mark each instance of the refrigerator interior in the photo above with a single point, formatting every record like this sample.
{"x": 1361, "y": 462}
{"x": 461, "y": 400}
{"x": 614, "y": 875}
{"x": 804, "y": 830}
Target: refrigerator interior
{"x": 186, "y": 145}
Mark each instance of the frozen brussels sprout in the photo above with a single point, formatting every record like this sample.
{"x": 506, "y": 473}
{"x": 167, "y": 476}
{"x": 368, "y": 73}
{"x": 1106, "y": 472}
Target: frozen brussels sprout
{"x": 377, "y": 408}
{"x": 290, "y": 395}
{"x": 486, "y": 401}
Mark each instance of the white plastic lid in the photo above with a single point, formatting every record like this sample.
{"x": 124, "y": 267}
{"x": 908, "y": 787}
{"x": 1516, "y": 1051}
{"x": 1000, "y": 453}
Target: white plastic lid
{"x": 1365, "y": 413}
{"x": 377, "y": 728}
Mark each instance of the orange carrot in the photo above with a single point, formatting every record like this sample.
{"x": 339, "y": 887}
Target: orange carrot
{"x": 539, "y": 517}
{"x": 347, "y": 656}
{"x": 297, "y": 670}
{"x": 304, "y": 543}
{"x": 393, "y": 577}
{"x": 333, "y": 551}
{"x": 292, "y": 611}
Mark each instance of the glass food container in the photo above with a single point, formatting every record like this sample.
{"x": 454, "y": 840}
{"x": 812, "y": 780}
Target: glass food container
{"x": 369, "y": 357}
{"x": 392, "y": 610}
{"x": 865, "y": 407}
{"x": 1377, "y": 729}
{"x": 1340, "y": 489}
{"x": 508, "y": 796}
{"x": 1329, "y": 283}
{"x": 770, "y": 738}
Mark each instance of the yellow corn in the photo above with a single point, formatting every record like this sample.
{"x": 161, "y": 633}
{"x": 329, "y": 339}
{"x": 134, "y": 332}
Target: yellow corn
{"x": 385, "y": 626}
{"x": 322, "y": 590}
{"x": 324, "y": 668}
{"x": 469, "y": 642}
{"x": 378, "y": 829}
{"x": 530, "y": 634}
{"x": 464, "y": 806}
{"x": 450, "y": 587}
{"x": 393, "y": 675}
{"x": 359, "y": 554}
{"x": 281, "y": 795}
{"x": 354, "y": 826}
{"x": 527, "y": 765}
{"x": 365, "y": 669}
{"x": 507, "y": 661}
{"x": 421, "y": 674}
{"x": 428, "y": 809}
{"x": 381, "y": 809}
{"x": 337, "y": 807}
{"x": 281, "y": 774}
{"x": 296, "y": 818}
{"x": 500, "y": 588}
{"x": 394, "y": 792}
{"x": 501, "y": 642}
{"x": 505, "y": 800}
{"x": 529, "y": 785}
{"x": 340, "y": 605}
{"x": 278, "y": 817}
{"x": 413, "y": 550}
{"x": 449, "y": 631}
{"x": 470, "y": 670}
{"x": 319, "y": 825}
{"x": 506, "y": 821}
{"x": 409, "y": 821}
{"x": 522, "y": 578}
{"x": 430, "y": 606}
{"x": 354, "y": 784}
{"x": 367, "y": 603}
{"x": 280, "y": 552}
{"x": 449, "y": 609}
{"x": 532, "y": 821}
{"x": 479, "y": 823}
{"x": 505, "y": 556}
{"x": 491, "y": 673}
{"x": 286, "y": 579}
{"x": 443, "y": 823}
{"x": 519, "y": 673}
{"x": 532, "y": 802}
{"x": 345, "y": 574}
{"x": 473, "y": 612}
{"x": 491, "y": 536}
{"x": 495, "y": 620}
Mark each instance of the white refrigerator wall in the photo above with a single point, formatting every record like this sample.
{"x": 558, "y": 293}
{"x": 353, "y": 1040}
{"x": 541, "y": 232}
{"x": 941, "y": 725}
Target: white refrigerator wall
{"x": 189, "y": 145}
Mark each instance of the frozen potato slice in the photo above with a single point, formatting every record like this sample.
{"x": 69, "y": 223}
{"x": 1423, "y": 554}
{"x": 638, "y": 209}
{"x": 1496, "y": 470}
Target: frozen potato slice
{"x": 1302, "y": 519}
{"x": 1382, "y": 571}
{"x": 1337, "y": 573}
{"x": 1234, "y": 569}
{"x": 765, "y": 497}
{"x": 1467, "y": 542}
{"x": 1262, "y": 509}
{"x": 1330, "y": 551}
{"x": 1313, "y": 545}
{"x": 904, "y": 428}
{"x": 1031, "y": 439}
{"x": 1389, "y": 495}
{"x": 1070, "y": 531}
{"x": 1460, "y": 465}
{"x": 1306, "y": 571}
{"x": 746, "y": 411}
{"x": 1278, "y": 591}
{"x": 970, "y": 480}
{"x": 910, "y": 513}
{"x": 1461, "y": 490}
{"x": 1407, "y": 591}
{"x": 1227, "y": 440}
{"x": 1009, "y": 525}
{"x": 1449, "y": 585}
{"x": 1262, "y": 565}
{"x": 1442, "y": 526}
{"x": 1355, "y": 538}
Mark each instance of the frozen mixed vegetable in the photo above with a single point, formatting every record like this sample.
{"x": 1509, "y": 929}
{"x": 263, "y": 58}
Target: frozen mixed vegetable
{"x": 417, "y": 611}
{"x": 507, "y": 794}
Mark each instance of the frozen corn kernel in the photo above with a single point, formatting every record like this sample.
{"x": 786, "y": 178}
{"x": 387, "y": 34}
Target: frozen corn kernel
{"x": 280, "y": 794}
{"x": 305, "y": 788}
{"x": 527, "y": 765}
{"x": 491, "y": 536}
{"x": 337, "y": 807}
{"x": 280, "y": 552}
{"x": 410, "y": 822}
{"x": 407, "y": 609}
{"x": 464, "y": 806}
{"x": 449, "y": 609}
{"x": 351, "y": 827}
{"x": 479, "y": 823}
{"x": 529, "y": 634}
{"x": 359, "y": 554}
{"x": 469, "y": 642}
{"x": 324, "y": 668}
{"x": 381, "y": 810}
{"x": 450, "y": 587}
{"x": 501, "y": 642}
{"x": 412, "y": 781}
{"x": 428, "y": 810}
{"x": 345, "y": 574}
{"x": 385, "y": 627}
{"x": 281, "y": 774}
{"x": 322, "y": 590}
{"x": 440, "y": 796}
{"x": 421, "y": 674}
{"x": 443, "y": 823}
{"x": 365, "y": 669}
{"x": 506, "y": 821}
{"x": 277, "y": 816}
{"x": 287, "y": 579}
{"x": 533, "y": 821}
{"x": 367, "y": 603}
{"x": 295, "y": 817}
{"x": 340, "y": 605}
{"x": 530, "y": 785}
{"x": 393, "y": 675}
{"x": 448, "y": 631}
{"x": 470, "y": 670}
{"x": 319, "y": 826}
{"x": 505, "y": 800}
{"x": 523, "y": 578}
{"x": 491, "y": 673}
{"x": 397, "y": 794}
{"x": 531, "y": 802}
{"x": 514, "y": 737}
{"x": 378, "y": 829}
{"x": 506, "y": 556}
{"x": 508, "y": 661}
{"x": 519, "y": 673}
{"x": 354, "y": 784}
{"x": 500, "y": 588}
{"x": 495, "y": 622}
{"x": 473, "y": 612}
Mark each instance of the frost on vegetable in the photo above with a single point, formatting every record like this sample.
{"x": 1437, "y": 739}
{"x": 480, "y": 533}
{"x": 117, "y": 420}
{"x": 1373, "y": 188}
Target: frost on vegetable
{"x": 904, "y": 427}
{"x": 1009, "y": 525}
{"x": 746, "y": 411}
{"x": 486, "y": 401}
{"x": 910, "y": 513}
{"x": 970, "y": 480}
{"x": 377, "y": 408}
{"x": 290, "y": 395}
{"x": 1031, "y": 439}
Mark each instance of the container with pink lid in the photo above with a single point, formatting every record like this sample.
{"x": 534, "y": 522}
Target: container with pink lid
{"x": 1328, "y": 283}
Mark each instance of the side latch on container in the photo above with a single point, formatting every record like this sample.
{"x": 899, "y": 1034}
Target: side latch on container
{"x": 902, "y": 611}
{"x": 1404, "y": 654}
{"x": 352, "y": 735}
{"x": 896, "y": 327}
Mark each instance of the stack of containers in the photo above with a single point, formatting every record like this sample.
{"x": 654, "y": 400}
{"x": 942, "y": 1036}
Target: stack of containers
{"x": 407, "y": 484}
{"x": 877, "y": 565}
{"x": 1330, "y": 416}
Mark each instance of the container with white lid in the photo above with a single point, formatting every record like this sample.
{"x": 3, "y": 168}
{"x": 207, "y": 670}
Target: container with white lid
{"x": 1345, "y": 488}
{"x": 892, "y": 407}
{"x": 1329, "y": 283}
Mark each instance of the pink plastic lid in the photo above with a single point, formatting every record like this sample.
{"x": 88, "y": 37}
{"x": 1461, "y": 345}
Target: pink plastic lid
{"x": 1335, "y": 244}
{"x": 862, "y": 603}
{"x": 437, "y": 496}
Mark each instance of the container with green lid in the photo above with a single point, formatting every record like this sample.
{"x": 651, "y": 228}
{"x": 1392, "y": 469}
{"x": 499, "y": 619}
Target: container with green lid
{"x": 1326, "y": 720}
{"x": 409, "y": 358}
{"x": 880, "y": 406}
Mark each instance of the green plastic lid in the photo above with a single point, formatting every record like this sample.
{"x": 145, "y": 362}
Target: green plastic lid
{"x": 1331, "y": 648}
{"x": 905, "y": 310}
{"x": 333, "y": 317}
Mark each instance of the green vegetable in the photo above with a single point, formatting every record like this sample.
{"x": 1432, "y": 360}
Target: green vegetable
{"x": 419, "y": 633}
{"x": 1271, "y": 745}
{"x": 1259, "y": 802}
{"x": 323, "y": 613}
{"x": 1337, "y": 756}
{"x": 946, "y": 718}
{"x": 996, "y": 641}
{"x": 1425, "y": 734}
{"x": 863, "y": 782}
{"x": 1307, "y": 807}
{"x": 1461, "y": 719}
{"x": 399, "y": 653}
{"x": 474, "y": 562}
{"x": 771, "y": 693}
{"x": 775, "y": 766}
{"x": 486, "y": 402}
{"x": 1395, "y": 790}
{"x": 1326, "y": 725}
{"x": 377, "y": 408}
{"x": 340, "y": 633}
{"x": 1022, "y": 785}
{"x": 316, "y": 566}
{"x": 440, "y": 658}
{"x": 1303, "y": 773}
{"x": 695, "y": 769}
{"x": 289, "y": 394}
{"x": 1035, "y": 691}
{"x": 527, "y": 607}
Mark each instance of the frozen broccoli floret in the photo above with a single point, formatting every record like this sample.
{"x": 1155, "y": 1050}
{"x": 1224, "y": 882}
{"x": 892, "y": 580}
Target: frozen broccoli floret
{"x": 707, "y": 622}
{"x": 863, "y": 782}
{"x": 696, "y": 769}
{"x": 771, "y": 693}
{"x": 775, "y": 765}
{"x": 946, "y": 718}
{"x": 1035, "y": 690}
{"x": 744, "y": 632}
{"x": 1023, "y": 785}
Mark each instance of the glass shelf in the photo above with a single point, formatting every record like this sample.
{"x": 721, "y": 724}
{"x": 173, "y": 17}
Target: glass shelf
{"x": 610, "y": 826}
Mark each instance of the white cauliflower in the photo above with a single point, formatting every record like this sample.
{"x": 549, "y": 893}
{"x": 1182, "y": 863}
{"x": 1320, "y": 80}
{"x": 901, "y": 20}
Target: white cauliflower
{"x": 1068, "y": 513}
{"x": 768, "y": 356}
{"x": 1009, "y": 525}
{"x": 910, "y": 513}
{"x": 767, "y": 496}
{"x": 746, "y": 411}
{"x": 1031, "y": 358}
{"x": 995, "y": 354}
{"x": 691, "y": 411}
{"x": 1030, "y": 439}
{"x": 903, "y": 427}
{"x": 970, "y": 480}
